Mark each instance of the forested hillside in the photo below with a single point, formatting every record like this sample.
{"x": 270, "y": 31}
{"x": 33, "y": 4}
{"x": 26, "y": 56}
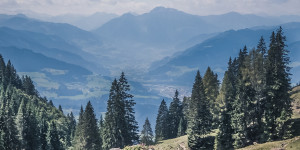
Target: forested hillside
{"x": 29, "y": 121}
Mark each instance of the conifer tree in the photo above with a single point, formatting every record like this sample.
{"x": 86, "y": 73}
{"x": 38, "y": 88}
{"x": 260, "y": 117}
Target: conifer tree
{"x": 278, "y": 102}
{"x": 243, "y": 102}
{"x": 2, "y": 69}
{"x": 185, "y": 112}
{"x": 175, "y": 113}
{"x": 71, "y": 128}
{"x": 200, "y": 118}
{"x": 60, "y": 108}
{"x": 54, "y": 142}
{"x": 21, "y": 123}
{"x": 147, "y": 134}
{"x": 224, "y": 139}
{"x": 101, "y": 128}
{"x": 79, "y": 141}
{"x": 161, "y": 127}
{"x": 258, "y": 81}
{"x": 43, "y": 135}
{"x": 90, "y": 129}
{"x": 211, "y": 88}
{"x": 28, "y": 85}
{"x": 115, "y": 127}
{"x": 131, "y": 124}
{"x": 31, "y": 132}
{"x": 9, "y": 128}
{"x": 181, "y": 127}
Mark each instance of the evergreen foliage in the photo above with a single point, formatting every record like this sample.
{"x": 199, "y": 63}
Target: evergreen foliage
{"x": 54, "y": 142}
{"x": 147, "y": 133}
{"x": 175, "y": 113}
{"x": 131, "y": 124}
{"x": 161, "y": 127}
{"x": 224, "y": 139}
{"x": 211, "y": 88}
{"x": 120, "y": 127}
{"x": 278, "y": 102}
{"x": 200, "y": 118}
{"x": 24, "y": 114}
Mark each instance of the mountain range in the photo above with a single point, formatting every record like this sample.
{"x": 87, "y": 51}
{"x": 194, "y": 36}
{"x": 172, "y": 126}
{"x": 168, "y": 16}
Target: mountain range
{"x": 159, "y": 51}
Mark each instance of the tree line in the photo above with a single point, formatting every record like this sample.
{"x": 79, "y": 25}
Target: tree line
{"x": 252, "y": 104}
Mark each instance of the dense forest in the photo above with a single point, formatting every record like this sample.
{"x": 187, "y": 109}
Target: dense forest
{"x": 252, "y": 104}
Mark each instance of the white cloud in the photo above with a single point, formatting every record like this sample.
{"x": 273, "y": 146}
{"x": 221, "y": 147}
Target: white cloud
{"x": 200, "y": 7}
{"x": 295, "y": 64}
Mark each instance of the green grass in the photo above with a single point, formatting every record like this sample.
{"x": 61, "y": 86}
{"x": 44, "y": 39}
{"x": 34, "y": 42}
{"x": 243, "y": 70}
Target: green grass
{"x": 172, "y": 144}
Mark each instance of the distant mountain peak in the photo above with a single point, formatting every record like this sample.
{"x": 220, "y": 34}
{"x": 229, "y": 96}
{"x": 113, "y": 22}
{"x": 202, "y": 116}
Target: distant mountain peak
{"x": 162, "y": 9}
{"x": 21, "y": 15}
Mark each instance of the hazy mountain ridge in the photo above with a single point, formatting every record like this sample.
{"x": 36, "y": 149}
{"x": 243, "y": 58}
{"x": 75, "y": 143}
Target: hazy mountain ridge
{"x": 180, "y": 68}
{"x": 176, "y": 39}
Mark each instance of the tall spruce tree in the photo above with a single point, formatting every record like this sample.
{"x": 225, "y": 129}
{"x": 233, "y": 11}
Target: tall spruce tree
{"x": 147, "y": 133}
{"x": 54, "y": 141}
{"x": 200, "y": 118}
{"x": 175, "y": 113}
{"x": 161, "y": 127}
{"x": 79, "y": 141}
{"x": 131, "y": 124}
{"x": 185, "y": 112}
{"x": 43, "y": 135}
{"x": 278, "y": 102}
{"x": 115, "y": 126}
{"x": 258, "y": 81}
{"x": 243, "y": 102}
{"x": 90, "y": 129}
{"x": 211, "y": 88}
{"x": 224, "y": 139}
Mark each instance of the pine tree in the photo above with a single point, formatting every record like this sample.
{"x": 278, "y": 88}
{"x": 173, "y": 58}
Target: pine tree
{"x": 278, "y": 102}
{"x": 79, "y": 141}
{"x": 9, "y": 128}
{"x": 181, "y": 127}
{"x": 175, "y": 113}
{"x": 101, "y": 128}
{"x": 90, "y": 129}
{"x": 60, "y": 108}
{"x": 43, "y": 135}
{"x": 147, "y": 134}
{"x": 243, "y": 102}
{"x": 72, "y": 124}
{"x": 21, "y": 123}
{"x": 258, "y": 81}
{"x": 115, "y": 126}
{"x": 2, "y": 69}
{"x": 200, "y": 118}
{"x": 131, "y": 124}
{"x": 224, "y": 139}
{"x": 31, "y": 132}
{"x": 185, "y": 112}
{"x": 161, "y": 128}
{"x": 28, "y": 86}
{"x": 211, "y": 88}
{"x": 54, "y": 142}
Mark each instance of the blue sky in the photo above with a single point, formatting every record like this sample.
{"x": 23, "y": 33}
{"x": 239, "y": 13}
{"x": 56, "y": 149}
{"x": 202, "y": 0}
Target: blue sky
{"x": 198, "y": 7}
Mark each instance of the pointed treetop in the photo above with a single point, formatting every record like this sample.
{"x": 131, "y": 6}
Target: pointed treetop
{"x": 261, "y": 46}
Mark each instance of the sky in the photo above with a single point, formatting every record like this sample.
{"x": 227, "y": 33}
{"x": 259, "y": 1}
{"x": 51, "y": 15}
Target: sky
{"x": 197, "y": 7}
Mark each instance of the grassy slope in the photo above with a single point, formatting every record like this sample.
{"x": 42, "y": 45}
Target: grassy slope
{"x": 290, "y": 144}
